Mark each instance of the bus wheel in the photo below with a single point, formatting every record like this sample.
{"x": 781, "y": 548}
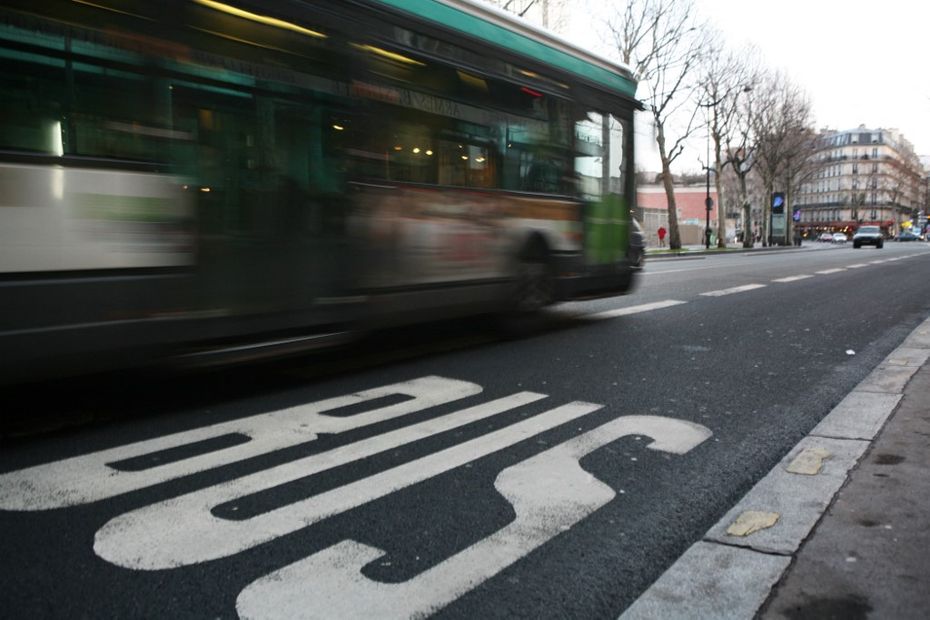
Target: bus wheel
{"x": 533, "y": 288}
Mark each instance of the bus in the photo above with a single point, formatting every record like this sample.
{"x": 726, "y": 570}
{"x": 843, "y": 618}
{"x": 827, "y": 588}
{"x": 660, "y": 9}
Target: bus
{"x": 223, "y": 180}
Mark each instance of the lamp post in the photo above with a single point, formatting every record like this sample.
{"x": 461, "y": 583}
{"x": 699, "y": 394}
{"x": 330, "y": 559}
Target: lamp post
{"x": 708, "y": 201}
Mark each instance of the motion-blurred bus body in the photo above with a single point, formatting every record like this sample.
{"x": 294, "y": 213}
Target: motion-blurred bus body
{"x": 227, "y": 180}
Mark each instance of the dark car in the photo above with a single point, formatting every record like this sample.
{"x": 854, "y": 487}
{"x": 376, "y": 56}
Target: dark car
{"x": 868, "y": 235}
{"x": 908, "y": 236}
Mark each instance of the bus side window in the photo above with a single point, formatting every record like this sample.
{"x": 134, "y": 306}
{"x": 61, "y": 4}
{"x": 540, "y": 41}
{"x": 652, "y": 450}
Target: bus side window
{"x": 590, "y": 157}
{"x": 466, "y": 165}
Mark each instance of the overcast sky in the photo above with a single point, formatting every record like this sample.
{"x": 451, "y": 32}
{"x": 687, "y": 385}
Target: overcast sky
{"x": 861, "y": 62}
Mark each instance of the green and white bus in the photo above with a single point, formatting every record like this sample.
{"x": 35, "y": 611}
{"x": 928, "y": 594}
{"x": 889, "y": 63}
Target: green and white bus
{"x": 241, "y": 178}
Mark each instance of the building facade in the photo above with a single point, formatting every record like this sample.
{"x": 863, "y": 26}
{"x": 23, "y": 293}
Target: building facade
{"x": 860, "y": 176}
{"x": 652, "y": 212}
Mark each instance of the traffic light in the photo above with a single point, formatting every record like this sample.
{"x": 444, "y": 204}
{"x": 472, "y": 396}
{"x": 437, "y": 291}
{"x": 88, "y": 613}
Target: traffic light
{"x": 778, "y": 202}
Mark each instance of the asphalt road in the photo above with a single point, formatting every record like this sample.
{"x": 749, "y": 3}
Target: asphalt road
{"x": 556, "y": 475}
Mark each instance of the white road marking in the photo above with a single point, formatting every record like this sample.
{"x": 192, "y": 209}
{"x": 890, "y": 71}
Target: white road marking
{"x": 828, "y": 271}
{"x": 857, "y": 266}
{"x": 735, "y": 289}
{"x": 550, "y": 493}
{"x": 610, "y": 314}
{"x": 182, "y": 531}
{"x": 659, "y": 273}
{"x": 876, "y": 262}
{"x": 793, "y": 278}
{"x": 92, "y": 477}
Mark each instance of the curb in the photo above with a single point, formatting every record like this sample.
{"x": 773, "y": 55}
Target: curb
{"x": 732, "y": 575}
{"x": 699, "y": 254}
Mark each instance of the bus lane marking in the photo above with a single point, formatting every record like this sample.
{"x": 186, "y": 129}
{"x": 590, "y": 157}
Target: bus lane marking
{"x": 793, "y": 278}
{"x": 610, "y": 314}
{"x": 92, "y": 477}
{"x": 182, "y": 531}
{"x": 731, "y": 291}
{"x": 550, "y": 493}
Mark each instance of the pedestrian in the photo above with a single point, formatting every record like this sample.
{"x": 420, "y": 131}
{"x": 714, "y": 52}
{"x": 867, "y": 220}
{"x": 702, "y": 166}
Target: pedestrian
{"x": 661, "y": 232}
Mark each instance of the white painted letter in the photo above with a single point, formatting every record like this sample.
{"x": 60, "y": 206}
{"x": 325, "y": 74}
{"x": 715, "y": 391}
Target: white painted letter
{"x": 92, "y": 477}
{"x": 549, "y": 492}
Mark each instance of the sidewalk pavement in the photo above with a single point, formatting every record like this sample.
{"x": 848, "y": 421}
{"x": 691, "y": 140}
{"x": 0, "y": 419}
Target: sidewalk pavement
{"x": 653, "y": 252}
{"x": 870, "y": 554}
{"x": 839, "y": 529}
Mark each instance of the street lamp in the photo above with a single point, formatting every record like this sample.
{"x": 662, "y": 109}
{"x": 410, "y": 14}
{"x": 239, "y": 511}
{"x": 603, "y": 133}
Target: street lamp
{"x": 708, "y": 201}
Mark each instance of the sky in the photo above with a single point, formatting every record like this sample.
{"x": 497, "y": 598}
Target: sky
{"x": 860, "y": 62}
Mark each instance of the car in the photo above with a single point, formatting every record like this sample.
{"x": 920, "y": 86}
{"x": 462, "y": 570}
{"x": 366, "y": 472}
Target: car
{"x": 826, "y": 237}
{"x": 839, "y": 238}
{"x": 868, "y": 235}
{"x": 907, "y": 235}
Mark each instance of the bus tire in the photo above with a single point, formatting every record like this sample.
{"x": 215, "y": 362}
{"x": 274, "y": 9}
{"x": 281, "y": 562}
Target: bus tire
{"x": 532, "y": 289}
{"x": 534, "y": 286}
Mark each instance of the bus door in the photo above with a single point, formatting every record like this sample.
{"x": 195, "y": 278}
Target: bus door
{"x": 255, "y": 168}
{"x": 601, "y": 170}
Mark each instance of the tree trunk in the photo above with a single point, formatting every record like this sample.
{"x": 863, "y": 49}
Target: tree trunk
{"x": 766, "y": 216}
{"x": 721, "y": 219}
{"x": 748, "y": 240}
{"x": 674, "y": 237}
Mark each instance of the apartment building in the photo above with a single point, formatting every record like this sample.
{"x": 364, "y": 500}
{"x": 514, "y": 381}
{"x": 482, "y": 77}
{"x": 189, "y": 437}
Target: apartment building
{"x": 860, "y": 176}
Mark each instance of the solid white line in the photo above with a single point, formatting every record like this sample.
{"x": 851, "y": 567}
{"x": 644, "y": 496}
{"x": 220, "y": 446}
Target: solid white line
{"x": 659, "y": 273}
{"x": 609, "y": 314}
{"x": 877, "y": 262}
{"x": 735, "y": 289}
{"x": 793, "y": 278}
{"x": 856, "y": 266}
{"x": 826, "y": 271}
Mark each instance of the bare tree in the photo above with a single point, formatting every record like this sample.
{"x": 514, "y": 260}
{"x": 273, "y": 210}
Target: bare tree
{"x": 783, "y": 139}
{"x": 741, "y": 139}
{"x": 662, "y": 43}
{"x": 727, "y": 76}
{"x": 552, "y": 14}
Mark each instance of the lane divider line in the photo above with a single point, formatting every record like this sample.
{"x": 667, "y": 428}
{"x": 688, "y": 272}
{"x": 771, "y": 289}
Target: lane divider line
{"x": 610, "y": 314}
{"x": 828, "y": 271}
{"x": 793, "y": 278}
{"x": 731, "y": 291}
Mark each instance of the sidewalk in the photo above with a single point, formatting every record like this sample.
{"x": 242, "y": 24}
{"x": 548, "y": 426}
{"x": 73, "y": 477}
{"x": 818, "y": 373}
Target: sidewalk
{"x": 870, "y": 554}
{"x": 839, "y": 529}
{"x": 653, "y": 252}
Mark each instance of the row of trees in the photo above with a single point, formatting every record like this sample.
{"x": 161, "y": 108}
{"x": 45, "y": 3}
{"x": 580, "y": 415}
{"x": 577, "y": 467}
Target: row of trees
{"x": 759, "y": 122}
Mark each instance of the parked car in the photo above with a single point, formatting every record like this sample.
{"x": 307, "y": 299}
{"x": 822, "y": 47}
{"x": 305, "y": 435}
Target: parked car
{"x": 828, "y": 237}
{"x": 868, "y": 235}
{"x": 908, "y": 236}
{"x": 839, "y": 238}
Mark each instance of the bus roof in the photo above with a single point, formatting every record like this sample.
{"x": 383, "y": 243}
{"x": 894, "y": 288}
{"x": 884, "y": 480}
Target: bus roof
{"x": 503, "y": 29}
